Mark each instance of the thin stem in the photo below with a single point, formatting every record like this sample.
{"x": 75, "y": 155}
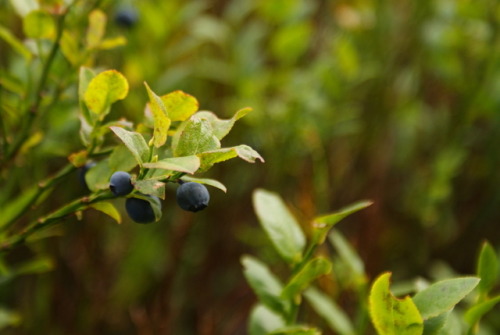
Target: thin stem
{"x": 53, "y": 218}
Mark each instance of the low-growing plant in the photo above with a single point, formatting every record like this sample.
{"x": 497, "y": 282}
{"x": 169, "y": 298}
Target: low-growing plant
{"x": 432, "y": 307}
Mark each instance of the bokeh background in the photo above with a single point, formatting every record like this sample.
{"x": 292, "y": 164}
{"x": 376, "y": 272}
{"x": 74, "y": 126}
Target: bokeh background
{"x": 393, "y": 101}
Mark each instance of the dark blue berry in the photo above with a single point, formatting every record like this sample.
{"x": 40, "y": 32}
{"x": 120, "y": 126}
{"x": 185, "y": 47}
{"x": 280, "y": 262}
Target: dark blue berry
{"x": 82, "y": 172}
{"x": 192, "y": 196}
{"x": 126, "y": 17}
{"x": 140, "y": 210}
{"x": 120, "y": 183}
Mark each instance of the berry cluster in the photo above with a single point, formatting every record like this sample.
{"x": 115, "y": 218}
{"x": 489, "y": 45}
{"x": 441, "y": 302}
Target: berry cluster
{"x": 190, "y": 196}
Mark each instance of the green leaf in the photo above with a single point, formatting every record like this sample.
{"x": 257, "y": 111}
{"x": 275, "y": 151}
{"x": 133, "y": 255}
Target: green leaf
{"x": 113, "y": 42}
{"x": 39, "y": 24}
{"x": 134, "y": 142}
{"x": 433, "y": 326}
{"x": 209, "y": 158}
{"x": 194, "y": 136}
{"x": 23, "y": 7}
{"x": 161, "y": 118}
{"x": 223, "y": 127}
{"x": 37, "y": 265}
{"x": 296, "y": 330}
{"x": 336, "y": 318}
{"x": 187, "y": 164}
{"x": 96, "y": 28}
{"x": 151, "y": 187}
{"x": 71, "y": 49}
{"x": 179, "y": 105}
{"x": 280, "y": 225}
{"x": 265, "y": 284}
{"x": 155, "y": 204}
{"x": 121, "y": 159}
{"x": 12, "y": 40}
{"x": 299, "y": 282}
{"x": 13, "y": 208}
{"x": 9, "y": 318}
{"x": 392, "y": 316}
{"x": 109, "y": 209}
{"x": 442, "y": 296}
{"x": 85, "y": 76}
{"x": 262, "y": 321}
{"x": 105, "y": 89}
{"x": 476, "y": 312}
{"x": 487, "y": 268}
{"x": 206, "y": 181}
{"x": 322, "y": 224}
{"x": 97, "y": 177}
{"x": 347, "y": 253}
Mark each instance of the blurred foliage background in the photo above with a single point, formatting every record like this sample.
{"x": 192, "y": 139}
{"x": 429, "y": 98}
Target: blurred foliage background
{"x": 393, "y": 101}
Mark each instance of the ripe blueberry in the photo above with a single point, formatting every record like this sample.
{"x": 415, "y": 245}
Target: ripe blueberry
{"x": 140, "y": 210}
{"x": 192, "y": 196}
{"x": 126, "y": 17}
{"x": 120, "y": 183}
{"x": 82, "y": 172}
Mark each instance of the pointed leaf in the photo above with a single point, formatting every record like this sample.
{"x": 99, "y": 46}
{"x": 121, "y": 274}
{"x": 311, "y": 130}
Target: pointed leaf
{"x": 434, "y": 326}
{"x": 336, "y": 318}
{"x": 17, "y": 45}
{"x": 296, "y": 330}
{"x": 187, "y": 164}
{"x": 134, "y": 142}
{"x": 348, "y": 254}
{"x": 160, "y": 116}
{"x": 96, "y": 28}
{"x": 223, "y": 127}
{"x": 105, "y": 89}
{"x": 179, "y": 105}
{"x": 209, "y": 158}
{"x": 280, "y": 225}
{"x": 193, "y": 137}
{"x": 299, "y": 282}
{"x": 262, "y": 320}
{"x": 121, "y": 159}
{"x": 39, "y": 24}
{"x": 265, "y": 284}
{"x": 476, "y": 312}
{"x": 392, "y": 316}
{"x": 155, "y": 204}
{"x": 151, "y": 187}
{"x": 109, "y": 209}
{"x": 442, "y": 296}
{"x": 487, "y": 268}
{"x": 206, "y": 181}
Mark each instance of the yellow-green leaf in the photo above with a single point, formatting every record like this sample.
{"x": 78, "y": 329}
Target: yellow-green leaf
{"x": 188, "y": 164}
{"x": 300, "y": 281}
{"x": 109, "y": 209}
{"x": 12, "y": 40}
{"x": 245, "y": 152}
{"x": 96, "y": 28}
{"x": 179, "y": 105}
{"x": 103, "y": 90}
{"x": 160, "y": 116}
{"x": 39, "y": 24}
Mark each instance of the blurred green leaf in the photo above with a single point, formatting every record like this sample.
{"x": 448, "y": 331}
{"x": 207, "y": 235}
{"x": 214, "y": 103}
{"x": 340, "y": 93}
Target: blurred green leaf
{"x": 265, "y": 284}
{"x": 442, "y": 296}
{"x": 105, "y": 89}
{"x": 97, "y": 177}
{"x": 113, "y": 42}
{"x": 336, "y": 318}
{"x": 23, "y": 7}
{"x": 487, "y": 268}
{"x": 151, "y": 187}
{"x": 70, "y": 48}
{"x": 39, "y": 24}
{"x": 291, "y": 42}
{"x": 476, "y": 312}
{"x": 262, "y": 321}
{"x": 312, "y": 270}
{"x": 296, "y": 330}
{"x": 392, "y": 316}
{"x": 280, "y": 225}
{"x": 194, "y": 136}
{"x": 85, "y": 76}
{"x": 9, "y": 318}
{"x": 348, "y": 254}
{"x": 13, "y": 208}
{"x": 96, "y": 28}
{"x": 179, "y": 105}
{"x": 222, "y": 127}
{"x": 161, "y": 118}
{"x": 206, "y": 181}
{"x": 109, "y": 209}
{"x": 12, "y": 40}
{"x": 187, "y": 164}
{"x": 134, "y": 142}
{"x": 435, "y": 325}
{"x": 121, "y": 160}
{"x": 209, "y": 158}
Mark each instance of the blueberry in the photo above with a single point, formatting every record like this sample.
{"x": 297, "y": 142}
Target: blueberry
{"x": 192, "y": 197}
{"x": 126, "y": 17}
{"x": 120, "y": 183}
{"x": 82, "y": 172}
{"x": 140, "y": 210}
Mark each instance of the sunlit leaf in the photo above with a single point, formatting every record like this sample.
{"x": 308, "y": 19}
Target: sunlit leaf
{"x": 109, "y": 209}
{"x": 209, "y": 158}
{"x": 310, "y": 271}
{"x": 96, "y": 28}
{"x": 296, "y": 330}
{"x": 134, "y": 142}
{"x": 262, "y": 320}
{"x": 187, "y": 164}
{"x": 39, "y": 24}
{"x": 23, "y": 7}
{"x": 121, "y": 159}
{"x": 280, "y": 225}
{"x": 392, "y": 316}
{"x": 113, "y": 42}
{"x": 103, "y": 90}
{"x": 179, "y": 105}
{"x": 206, "y": 181}
{"x": 161, "y": 118}
{"x": 151, "y": 187}
{"x": 222, "y": 127}
{"x": 193, "y": 137}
